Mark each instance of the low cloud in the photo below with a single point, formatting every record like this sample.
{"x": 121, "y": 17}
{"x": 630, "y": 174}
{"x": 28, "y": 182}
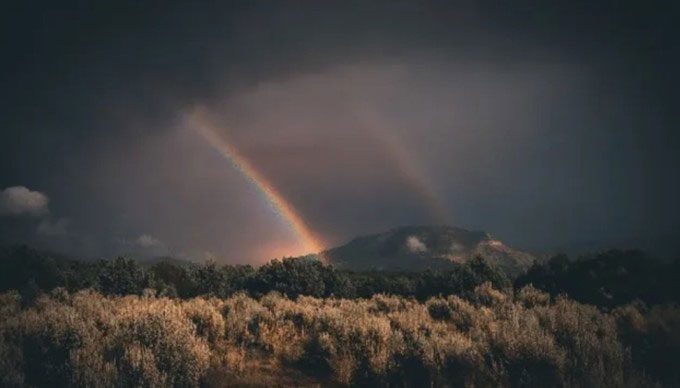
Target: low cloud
{"x": 50, "y": 228}
{"x": 414, "y": 245}
{"x": 457, "y": 247}
{"x": 144, "y": 245}
{"x": 148, "y": 241}
{"x": 20, "y": 201}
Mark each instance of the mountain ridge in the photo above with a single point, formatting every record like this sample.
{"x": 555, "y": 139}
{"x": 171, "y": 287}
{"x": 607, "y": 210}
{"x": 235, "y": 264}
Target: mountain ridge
{"x": 426, "y": 247}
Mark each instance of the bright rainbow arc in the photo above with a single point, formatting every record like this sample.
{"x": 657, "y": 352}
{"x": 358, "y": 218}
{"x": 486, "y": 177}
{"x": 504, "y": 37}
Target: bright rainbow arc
{"x": 283, "y": 208}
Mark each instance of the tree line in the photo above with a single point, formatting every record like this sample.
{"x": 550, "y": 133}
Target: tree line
{"x": 32, "y": 272}
{"x": 606, "y": 279}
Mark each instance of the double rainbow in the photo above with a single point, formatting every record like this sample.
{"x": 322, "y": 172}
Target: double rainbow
{"x": 198, "y": 121}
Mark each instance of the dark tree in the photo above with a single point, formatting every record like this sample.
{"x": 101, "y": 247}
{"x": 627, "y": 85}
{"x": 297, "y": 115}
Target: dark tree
{"x": 292, "y": 277}
{"x": 123, "y": 276}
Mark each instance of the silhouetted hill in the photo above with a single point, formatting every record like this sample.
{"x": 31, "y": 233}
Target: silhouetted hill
{"x": 423, "y": 247}
{"x": 665, "y": 246}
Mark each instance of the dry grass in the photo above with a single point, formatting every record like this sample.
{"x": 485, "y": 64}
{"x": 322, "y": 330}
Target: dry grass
{"x": 489, "y": 339}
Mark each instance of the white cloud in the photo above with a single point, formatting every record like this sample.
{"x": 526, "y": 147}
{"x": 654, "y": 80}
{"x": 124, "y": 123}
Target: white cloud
{"x": 414, "y": 245}
{"x": 56, "y": 228}
{"x": 457, "y": 247}
{"x": 148, "y": 241}
{"x": 19, "y": 200}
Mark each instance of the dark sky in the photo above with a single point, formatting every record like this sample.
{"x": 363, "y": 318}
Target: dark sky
{"x": 543, "y": 124}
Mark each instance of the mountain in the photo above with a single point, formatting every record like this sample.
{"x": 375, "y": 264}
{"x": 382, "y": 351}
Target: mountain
{"x": 423, "y": 247}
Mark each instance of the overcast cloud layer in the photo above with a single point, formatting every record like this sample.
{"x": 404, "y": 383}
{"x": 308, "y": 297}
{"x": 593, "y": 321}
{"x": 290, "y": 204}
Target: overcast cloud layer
{"x": 543, "y": 125}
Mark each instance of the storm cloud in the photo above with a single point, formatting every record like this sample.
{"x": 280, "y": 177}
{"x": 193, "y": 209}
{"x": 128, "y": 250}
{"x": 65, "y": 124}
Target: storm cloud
{"x": 543, "y": 124}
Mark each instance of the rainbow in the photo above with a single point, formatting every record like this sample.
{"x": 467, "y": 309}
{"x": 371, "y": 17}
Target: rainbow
{"x": 205, "y": 128}
{"x": 405, "y": 163}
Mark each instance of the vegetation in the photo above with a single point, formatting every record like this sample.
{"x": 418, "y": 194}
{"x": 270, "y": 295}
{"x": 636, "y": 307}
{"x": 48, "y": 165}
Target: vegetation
{"x": 598, "y": 321}
{"x": 607, "y": 279}
{"x": 33, "y": 272}
{"x": 490, "y": 338}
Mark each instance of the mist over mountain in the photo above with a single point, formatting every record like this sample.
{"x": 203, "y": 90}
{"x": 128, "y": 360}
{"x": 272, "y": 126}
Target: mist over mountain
{"x": 423, "y": 247}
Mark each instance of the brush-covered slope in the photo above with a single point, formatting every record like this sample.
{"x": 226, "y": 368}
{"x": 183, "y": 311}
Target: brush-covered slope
{"x": 423, "y": 247}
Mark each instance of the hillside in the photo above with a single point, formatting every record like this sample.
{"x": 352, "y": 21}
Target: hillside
{"x": 423, "y": 247}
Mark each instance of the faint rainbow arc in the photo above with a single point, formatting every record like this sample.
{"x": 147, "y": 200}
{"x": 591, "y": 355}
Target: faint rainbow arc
{"x": 282, "y": 207}
{"x": 405, "y": 163}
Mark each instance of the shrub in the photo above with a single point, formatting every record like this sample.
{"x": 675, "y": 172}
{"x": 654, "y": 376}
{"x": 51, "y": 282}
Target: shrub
{"x": 156, "y": 341}
{"x": 531, "y": 297}
{"x": 439, "y": 309}
{"x": 86, "y": 339}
